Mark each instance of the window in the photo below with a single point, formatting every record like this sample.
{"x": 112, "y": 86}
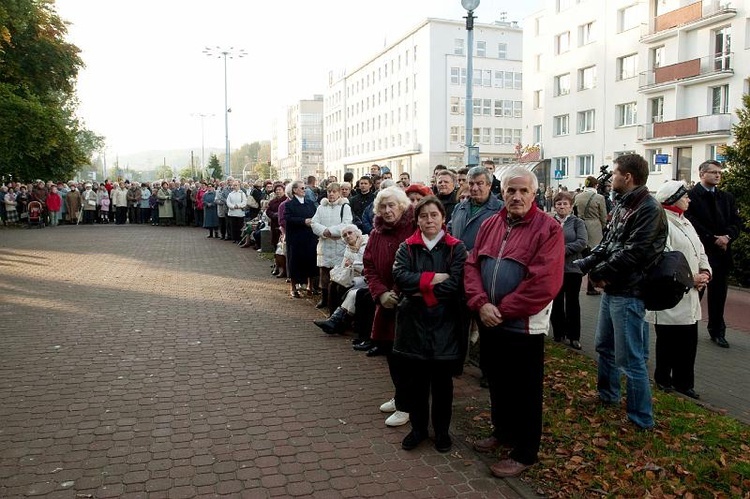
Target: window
{"x": 498, "y": 108}
{"x": 458, "y": 46}
{"x": 454, "y": 134}
{"x": 518, "y": 81}
{"x": 486, "y": 107}
{"x": 561, "y": 165}
{"x": 563, "y": 4}
{"x": 477, "y": 78}
{"x": 562, "y": 43}
{"x": 585, "y": 165}
{"x": 538, "y": 98}
{"x": 455, "y": 76}
{"x": 498, "y": 136}
{"x": 502, "y": 50}
{"x": 657, "y": 57}
{"x": 487, "y": 78}
{"x": 586, "y": 33}
{"x": 562, "y": 84}
{"x": 653, "y": 167}
{"x": 455, "y": 105}
{"x": 517, "y": 109}
{"x": 722, "y": 48}
{"x": 486, "y": 135}
{"x": 586, "y": 121}
{"x": 587, "y": 78}
{"x": 509, "y": 79}
{"x": 481, "y": 49}
{"x": 477, "y": 107}
{"x": 626, "y": 114}
{"x": 499, "y": 79}
{"x": 537, "y": 134}
{"x": 627, "y": 66}
{"x": 538, "y": 62}
{"x": 476, "y": 137}
{"x": 720, "y": 100}
{"x": 560, "y": 125}
{"x": 656, "y": 107}
{"x": 627, "y": 18}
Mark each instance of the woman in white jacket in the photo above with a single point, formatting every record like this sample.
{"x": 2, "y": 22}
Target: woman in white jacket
{"x": 677, "y": 328}
{"x": 333, "y": 213}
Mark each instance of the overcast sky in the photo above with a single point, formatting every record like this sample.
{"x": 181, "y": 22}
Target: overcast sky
{"x": 146, "y": 74}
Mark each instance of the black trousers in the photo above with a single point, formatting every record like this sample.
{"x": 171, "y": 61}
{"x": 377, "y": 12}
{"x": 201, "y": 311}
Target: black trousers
{"x": 365, "y": 314}
{"x": 676, "y": 347}
{"x": 134, "y": 215}
{"x": 235, "y": 224}
{"x": 223, "y": 227}
{"x": 422, "y": 379}
{"x": 717, "y": 290}
{"x": 121, "y": 214}
{"x": 566, "y": 308}
{"x": 515, "y": 376}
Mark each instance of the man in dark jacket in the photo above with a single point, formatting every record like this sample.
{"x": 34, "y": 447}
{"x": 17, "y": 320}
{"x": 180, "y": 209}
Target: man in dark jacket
{"x": 511, "y": 278}
{"x": 716, "y": 219}
{"x": 359, "y": 202}
{"x": 634, "y": 240}
{"x": 445, "y": 181}
{"x": 490, "y": 165}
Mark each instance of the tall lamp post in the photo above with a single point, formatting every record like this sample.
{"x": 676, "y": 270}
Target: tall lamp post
{"x": 203, "y": 116}
{"x": 224, "y": 52}
{"x": 471, "y": 152}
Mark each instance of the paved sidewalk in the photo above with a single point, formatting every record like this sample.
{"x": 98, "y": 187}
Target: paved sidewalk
{"x": 153, "y": 362}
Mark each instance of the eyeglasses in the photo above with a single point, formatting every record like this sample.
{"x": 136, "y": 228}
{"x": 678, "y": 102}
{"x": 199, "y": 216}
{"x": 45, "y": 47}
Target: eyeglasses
{"x": 713, "y": 172}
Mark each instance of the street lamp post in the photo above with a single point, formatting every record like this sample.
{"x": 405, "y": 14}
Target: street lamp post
{"x": 230, "y": 52}
{"x": 471, "y": 152}
{"x": 203, "y": 116}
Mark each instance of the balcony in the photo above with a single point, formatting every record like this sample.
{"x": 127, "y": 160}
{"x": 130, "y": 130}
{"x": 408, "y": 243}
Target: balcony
{"x": 690, "y": 72}
{"x": 689, "y": 17}
{"x": 677, "y": 130}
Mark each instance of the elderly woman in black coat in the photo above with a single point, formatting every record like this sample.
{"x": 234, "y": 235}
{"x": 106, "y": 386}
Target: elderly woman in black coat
{"x": 431, "y": 322}
{"x": 301, "y": 242}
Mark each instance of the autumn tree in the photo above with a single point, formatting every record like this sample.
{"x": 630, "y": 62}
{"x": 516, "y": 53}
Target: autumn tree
{"x": 40, "y": 136}
{"x": 214, "y": 167}
{"x": 735, "y": 179}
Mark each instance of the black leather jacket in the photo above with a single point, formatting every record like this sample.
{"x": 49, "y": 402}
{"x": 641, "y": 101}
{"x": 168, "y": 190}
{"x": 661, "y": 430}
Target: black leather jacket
{"x": 634, "y": 239}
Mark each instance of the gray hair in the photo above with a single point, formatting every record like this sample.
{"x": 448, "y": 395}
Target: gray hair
{"x": 389, "y": 182}
{"x": 394, "y": 193}
{"x": 476, "y": 171}
{"x": 519, "y": 172}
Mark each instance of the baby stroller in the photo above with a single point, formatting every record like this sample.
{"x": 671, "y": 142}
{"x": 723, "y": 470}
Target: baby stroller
{"x": 36, "y": 213}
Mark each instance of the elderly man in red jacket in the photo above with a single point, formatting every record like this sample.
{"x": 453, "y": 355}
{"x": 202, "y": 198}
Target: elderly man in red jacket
{"x": 511, "y": 277}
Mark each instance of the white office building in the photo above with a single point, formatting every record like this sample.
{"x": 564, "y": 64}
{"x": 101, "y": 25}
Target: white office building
{"x": 404, "y": 107}
{"x": 297, "y": 142}
{"x": 656, "y": 77}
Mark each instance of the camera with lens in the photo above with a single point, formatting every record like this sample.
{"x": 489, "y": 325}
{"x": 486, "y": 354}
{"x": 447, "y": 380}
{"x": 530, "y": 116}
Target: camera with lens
{"x": 602, "y": 179}
{"x": 588, "y": 263}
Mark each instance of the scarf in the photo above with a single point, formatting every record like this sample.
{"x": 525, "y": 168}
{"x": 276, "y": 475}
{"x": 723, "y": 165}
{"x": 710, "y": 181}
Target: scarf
{"x": 674, "y": 209}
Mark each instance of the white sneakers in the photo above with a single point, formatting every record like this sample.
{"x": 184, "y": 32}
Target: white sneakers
{"x": 389, "y": 406}
{"x": 398, "y": 418}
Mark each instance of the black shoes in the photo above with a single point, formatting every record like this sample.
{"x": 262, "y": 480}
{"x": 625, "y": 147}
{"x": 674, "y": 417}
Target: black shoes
{"x": 412, "y": 440}
{"x": 375, "y": 351}
{"x": 335, "y": 324}
{"x": 363, "y": 346}
{"x": 443, "y": 442}
{"x": 575, "y": 344}
{"x": 721, "y": 341}
{"x": 665, "y": 388}
{"x": 689, "y": 393}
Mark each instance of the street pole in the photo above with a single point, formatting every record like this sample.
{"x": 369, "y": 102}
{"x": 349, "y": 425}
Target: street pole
{"x": 231, "y": 53}
{"x": 471, "y": 152}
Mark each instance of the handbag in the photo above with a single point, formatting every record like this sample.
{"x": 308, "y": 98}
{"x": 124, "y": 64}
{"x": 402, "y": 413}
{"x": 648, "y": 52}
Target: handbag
{"x": 666, "y": 282}
{"x": 342, "y": 275}
{"x": 91, "y": 202}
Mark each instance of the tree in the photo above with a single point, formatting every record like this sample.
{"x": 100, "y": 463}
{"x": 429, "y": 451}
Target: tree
{"x": 40, "y": 136}
{"x": 735, "y": 179}
{"x": 186, "y": 172}
{"x": 164, "y": 172}
{"x": 266, "y": 170}
{"x": 214, "y": 167}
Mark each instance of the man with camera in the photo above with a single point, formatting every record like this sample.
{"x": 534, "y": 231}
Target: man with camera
{"x": 634, "y": 240}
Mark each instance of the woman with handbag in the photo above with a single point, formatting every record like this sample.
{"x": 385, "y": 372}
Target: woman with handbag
{"x": 89, "y": 205}
{"x": 166, "y": 215}
{"x": 346, "y": 279}
{"x": 566, "y": 308}
{"x": 677, "y": 328}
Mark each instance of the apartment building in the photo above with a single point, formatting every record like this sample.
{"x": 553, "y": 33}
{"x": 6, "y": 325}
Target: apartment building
{"x": 656, "y": 77}
{"x": 404, "y": 107}
{"x": 297, "y": 140}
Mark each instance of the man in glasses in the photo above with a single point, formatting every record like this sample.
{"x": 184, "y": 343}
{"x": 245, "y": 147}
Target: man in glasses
{"x": 717, "y": 221}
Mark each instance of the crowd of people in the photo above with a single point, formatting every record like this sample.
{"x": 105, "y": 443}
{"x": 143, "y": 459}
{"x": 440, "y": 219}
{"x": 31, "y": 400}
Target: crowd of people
{"x": 417, "y": 272}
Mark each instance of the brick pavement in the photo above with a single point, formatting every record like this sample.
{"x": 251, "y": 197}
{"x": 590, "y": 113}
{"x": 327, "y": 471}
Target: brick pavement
{"x": 153, "y": 362}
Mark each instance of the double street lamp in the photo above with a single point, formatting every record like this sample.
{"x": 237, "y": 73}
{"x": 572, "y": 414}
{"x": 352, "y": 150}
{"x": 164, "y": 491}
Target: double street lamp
{"x": 203, "y": 116}
{"x": 471, "y": 152}
{"x": 224, "y": 52}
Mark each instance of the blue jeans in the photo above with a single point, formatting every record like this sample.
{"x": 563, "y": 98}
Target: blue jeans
{"x": 622, "y": 345}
